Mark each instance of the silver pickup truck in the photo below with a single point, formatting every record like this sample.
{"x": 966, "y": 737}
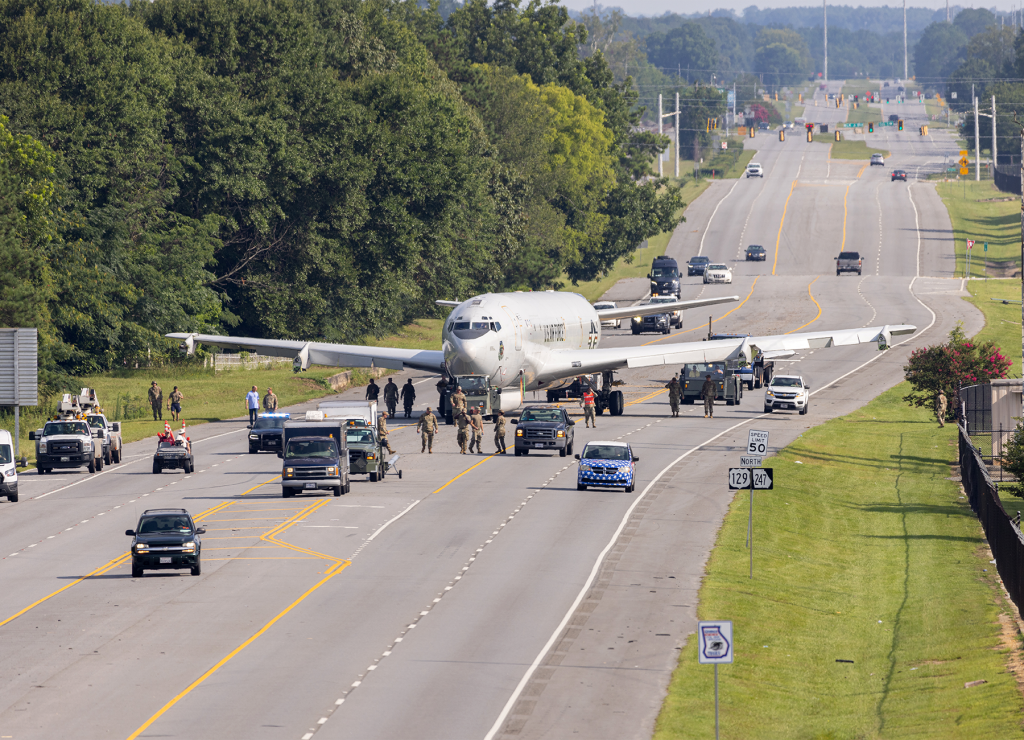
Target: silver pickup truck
{"x": 849, "y": 262}
{"x": 109, "y": 433}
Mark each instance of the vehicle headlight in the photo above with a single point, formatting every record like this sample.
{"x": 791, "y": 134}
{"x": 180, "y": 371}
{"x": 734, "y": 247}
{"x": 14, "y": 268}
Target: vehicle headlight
{"x": 519, "y": 432}
{"x": 332, "y": 470}
{"x": 254, "y": 436}
{"x": 42, "y": 447}
{"x": 141, "y": 546}
{"x": 87, "y": 445}
{"x": 769, "y": 393}
{"x": 638, "y": 318}
{"x": 289, "y": 472}
{"x": 561, "y": 433}
{"x": 585, "y": 466}
{"x": 624, "y": 469}
{"x": 371, "y": 456}
{"x": 189, "y": 547}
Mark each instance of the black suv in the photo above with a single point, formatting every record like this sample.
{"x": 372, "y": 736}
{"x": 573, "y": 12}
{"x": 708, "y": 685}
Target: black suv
{"x": 544, "y": 428}
{"x": 664, "y": 276}
{"x": 267, "y": 433}
{"x": 659, "y": 322}
{"x": 165, "y": 539}
{"x": 696, "y": 265}
{"x": 756, "y": 253}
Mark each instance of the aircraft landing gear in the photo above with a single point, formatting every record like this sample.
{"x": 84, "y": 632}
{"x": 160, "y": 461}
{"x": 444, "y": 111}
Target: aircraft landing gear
{"x": 609, "y": 399}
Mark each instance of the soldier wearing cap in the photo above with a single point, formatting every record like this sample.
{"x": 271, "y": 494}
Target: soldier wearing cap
{"x": 675, "y": 392}
{"x": 156, "y": 401}
{"x": 499, "y": 432}
{"x": 427, "y": 427}
{"x": 463, "y": 423}
{"x": 458, "y": 402}
{"x": 477, "y": 423}
{"x": 707, "y": 392}
{"x": 270, "y": 401}
{"x": 382, "y": 431}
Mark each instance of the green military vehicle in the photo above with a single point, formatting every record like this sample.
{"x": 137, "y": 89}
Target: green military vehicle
{"x": 728, "y": 385}
{"x": 364, "y": 452}
{"x": 478, "y": 393}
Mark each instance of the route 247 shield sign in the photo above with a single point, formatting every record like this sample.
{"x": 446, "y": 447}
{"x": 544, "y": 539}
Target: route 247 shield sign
{"x": 714, "y": 642}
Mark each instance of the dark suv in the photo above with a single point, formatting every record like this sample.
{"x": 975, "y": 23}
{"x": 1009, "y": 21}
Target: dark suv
{"x": 664, "y": 276}
{"x": 267, "y": 433}
{"x": 756, "y": 253}
{"x": 544, "y": 428}
{"x": 165, "y": 539}
{"x": 696, "y": 265}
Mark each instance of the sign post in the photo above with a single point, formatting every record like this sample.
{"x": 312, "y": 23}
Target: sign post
{"x": 714, "y": 645}
{"x": 970, "y": 246}
{"x": 763, "y": 480}
{"x": 19, "y": 373}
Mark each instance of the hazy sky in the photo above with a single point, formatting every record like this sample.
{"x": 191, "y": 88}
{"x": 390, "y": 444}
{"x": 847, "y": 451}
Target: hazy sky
{"x": 657, "y": 7}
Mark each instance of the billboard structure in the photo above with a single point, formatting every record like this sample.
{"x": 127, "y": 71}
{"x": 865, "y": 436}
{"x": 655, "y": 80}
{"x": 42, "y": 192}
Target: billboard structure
{"x": 19, "y": 372}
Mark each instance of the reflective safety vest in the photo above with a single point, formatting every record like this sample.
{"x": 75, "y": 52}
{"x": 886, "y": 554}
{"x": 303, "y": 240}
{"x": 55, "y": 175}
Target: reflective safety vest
{"x": 588, "y": 398}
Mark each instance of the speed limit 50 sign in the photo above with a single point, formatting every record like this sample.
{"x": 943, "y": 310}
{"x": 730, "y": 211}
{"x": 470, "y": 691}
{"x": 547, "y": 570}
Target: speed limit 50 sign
{"x": 757, "y": 443}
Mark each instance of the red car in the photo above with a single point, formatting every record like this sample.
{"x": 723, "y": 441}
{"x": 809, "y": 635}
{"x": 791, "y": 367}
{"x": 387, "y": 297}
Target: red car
{"x": 898, "y": 175}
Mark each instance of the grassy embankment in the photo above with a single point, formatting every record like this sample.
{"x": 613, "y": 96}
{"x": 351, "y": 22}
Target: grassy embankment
{"x": 863, "y": 553}
{"x": 982, "y": 212}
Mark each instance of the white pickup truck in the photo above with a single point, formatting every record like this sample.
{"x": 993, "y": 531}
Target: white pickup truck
{"x": 109, "y": 433}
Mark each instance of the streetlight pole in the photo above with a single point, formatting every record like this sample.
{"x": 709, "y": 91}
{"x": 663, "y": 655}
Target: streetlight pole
{"x": 824, "y": 24}
{"x": 905, "y": 68}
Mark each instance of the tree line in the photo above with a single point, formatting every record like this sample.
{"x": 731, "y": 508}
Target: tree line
{"x": 290, "y": 168}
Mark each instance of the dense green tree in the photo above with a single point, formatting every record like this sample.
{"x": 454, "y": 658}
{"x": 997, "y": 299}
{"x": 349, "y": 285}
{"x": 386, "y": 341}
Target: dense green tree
{"x": 687, "y": 50}
{"x": 779, "y": 64}
{"x": 974, "y": 20}
{"x": 938, "y": 52}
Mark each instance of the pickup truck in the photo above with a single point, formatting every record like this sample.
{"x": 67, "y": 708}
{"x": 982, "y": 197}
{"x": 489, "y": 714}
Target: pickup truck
{"x": 849, "y": 262}
{"x": 544, "y": 428}
{"x": 364, "y": 452}
{"x": 109, "y": 433}
{"x": 68, "y": 443}
{"x": 315, "y": 457}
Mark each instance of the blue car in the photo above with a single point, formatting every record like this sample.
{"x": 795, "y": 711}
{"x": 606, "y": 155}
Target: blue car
{"x": 608, "y": 465}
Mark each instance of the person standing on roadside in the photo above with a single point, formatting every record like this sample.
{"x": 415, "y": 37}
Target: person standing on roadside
{"x": 427, "y": 427}
{"x": 589, "y": 407}
{"x": 175, "y": 400}
{"x": 252, "y": 404}
{"x": 156, "y": 401}
{"x": 270, "y": 401}
{"x": 940, "y": 408}
{"x": 675, "y": 391}
{"x": 499, "y": 432}
{"x": 707, "y": 392}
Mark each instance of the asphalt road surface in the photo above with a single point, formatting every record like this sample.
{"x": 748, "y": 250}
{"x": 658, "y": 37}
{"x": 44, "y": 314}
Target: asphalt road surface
{"x": 477, "y": 596}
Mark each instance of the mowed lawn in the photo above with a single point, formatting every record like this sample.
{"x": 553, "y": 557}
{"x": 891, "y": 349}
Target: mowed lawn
{"x": 864, "y": 552}
{"x": 982, "y": 212}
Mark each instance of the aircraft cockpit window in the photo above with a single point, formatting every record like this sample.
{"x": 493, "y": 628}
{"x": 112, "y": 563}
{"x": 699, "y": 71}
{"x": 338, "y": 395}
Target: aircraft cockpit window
{"x": 461, "y": 325}
{"x": 481, "y": 325}
{"x": 451, "y": 325}
{"x": 495, "y": 326}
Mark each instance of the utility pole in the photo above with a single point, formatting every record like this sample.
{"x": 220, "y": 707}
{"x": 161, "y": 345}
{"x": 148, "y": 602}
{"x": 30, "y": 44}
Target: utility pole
{"x": 660, "y": 132}
{"x": 677, "y": 135}
{"x": 977, "y": 145}
{"x": 905, "y": 68}
{"x": 947, "y": 11}
{"x": 1019, "y": 126}
{"x": 824, "y": 25}
{"x": 995, "y": 142}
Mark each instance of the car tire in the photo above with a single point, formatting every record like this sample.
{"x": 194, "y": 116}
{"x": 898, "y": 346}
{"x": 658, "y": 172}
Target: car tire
{"x": 92, "y": 466}
{"x": 562, "y": 452}
{"x": 858, "y": 272}
{"x": 346, "y": 488}
{"x": 136, "y": 571}
{"x": 630, "y": 488}
{"x": 197, "y": 569}
{"x": 373, "y": 477}
{"x": 338, "y": 490}
{"x": 253, "y": 450}
{"x": 803, "y": 411}
{"x": 286, "y": 492}
{"x": 581, "y": 487}
{"x": 189, "y": 467}
{"x": 12, "y": 497}
{"x": 767, "y": 409}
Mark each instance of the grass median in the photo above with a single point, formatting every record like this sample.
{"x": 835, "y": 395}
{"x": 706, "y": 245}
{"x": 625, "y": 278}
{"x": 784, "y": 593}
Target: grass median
{"x": 982, "y": 212}
{"x": 846, "y": 149}
{"x": 864, "y": 553}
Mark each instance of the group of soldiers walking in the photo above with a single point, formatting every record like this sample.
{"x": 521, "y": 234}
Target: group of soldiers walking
{"x": 707, "y": 392}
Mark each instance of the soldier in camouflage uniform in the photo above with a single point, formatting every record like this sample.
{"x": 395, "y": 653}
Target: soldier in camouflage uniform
{"x": 458, "y": 402}
{"x": 382, "y": 431}
{"x": 477, "y": 423}
{"x": 707, "y": 392}
{"x": 463, "y": 423}
{"x": 427, "y": 427}
{"x": 675, "y": 392}
{"x": 499, "y": 432}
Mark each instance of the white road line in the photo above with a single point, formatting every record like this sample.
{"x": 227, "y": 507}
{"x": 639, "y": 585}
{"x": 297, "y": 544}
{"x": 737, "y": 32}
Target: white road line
{"x": 700, "y": 250}
{"x": 385, "y": 525}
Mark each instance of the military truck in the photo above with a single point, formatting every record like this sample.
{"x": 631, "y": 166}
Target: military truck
{"x": 109, "y": 433}
{"x": 315, "y": 457}
{"x": 728, "y": 386}
{"x": 364, "y": 452}
{"x": 478, "y": 392}
{"x": 757, "y": 373}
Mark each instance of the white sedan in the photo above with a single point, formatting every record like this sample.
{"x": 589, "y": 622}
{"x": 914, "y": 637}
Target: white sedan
{"x": 717, "y": 273}
{"x": 607, "y": 323}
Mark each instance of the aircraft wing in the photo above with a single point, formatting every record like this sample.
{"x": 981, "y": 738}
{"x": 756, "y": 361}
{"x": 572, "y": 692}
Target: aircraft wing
{"x": 322, "y": 353}
{"x": 568, "y": 362}
{"x": 645, "y": 309}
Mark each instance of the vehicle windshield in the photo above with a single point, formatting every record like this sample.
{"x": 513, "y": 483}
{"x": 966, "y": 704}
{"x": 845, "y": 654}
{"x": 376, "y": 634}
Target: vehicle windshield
{"x": 269, "y": 424}
{"x": 717, "y": 267}
{"x": 787, "y": 383}
{"x": 699, "y": 260}
{"x": 473, "y": 384}
{"x": 605, "y": 452}
{"x": 542, "y": 415}
{"x": 755, "y": 248}
{"x": 359, "y": 436}
{"x": 701, "y": 369}
{"x": 165, "y": 524}
{"x": 663, "y": 272}
{"x": 53, "y": 428}
{"x": 849, "y": 255}
{"x": 6, "y": 456}
{"x": 96, "y": 422}
{"x": 324, "y": 448}
{"x": 753, "y": 166}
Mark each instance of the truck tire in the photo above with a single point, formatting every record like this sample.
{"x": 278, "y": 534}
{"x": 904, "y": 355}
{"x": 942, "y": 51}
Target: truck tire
{"x": 581, "y": 487}
{"x": 117, "y": 454}
{"x": 107, "y": 460}
{"x": 346, "y": 488}
{"x": 803, "y": 411}
{"x": 286, "y": 492}
{"x": 92, "y": 465}
{"x": 373, "y": 477}
{"x": 197, "y": 569}
{"x": 253, "y": 450}
{"x": 767, "y": 409}
{"x": 448, "y": 419}
{"x": 40, "y": 471}
{"x": 12, "y": 497}
{"x": 636, "y": 331}
{"x": 562, "y": 452}
{"x": 837, "y": 273}
{"x": 338, "y": 490}
{"x": 136, "y": 571}
{"x": 616, "y": 404}
{"x": 750, "y": 385}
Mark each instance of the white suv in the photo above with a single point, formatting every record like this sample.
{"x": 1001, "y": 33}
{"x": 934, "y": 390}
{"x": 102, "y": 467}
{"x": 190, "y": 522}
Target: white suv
{"x": 755, "y": 170}
{"x": 787, "y": 392}
{"x": 877, "y": 159}
{"x": 8, "y": 471}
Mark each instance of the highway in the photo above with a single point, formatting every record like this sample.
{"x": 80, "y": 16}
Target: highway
{"x": 478, "y": 596}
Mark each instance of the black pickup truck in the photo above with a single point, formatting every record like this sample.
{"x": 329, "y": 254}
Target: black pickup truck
{"x": 544, "y": 428}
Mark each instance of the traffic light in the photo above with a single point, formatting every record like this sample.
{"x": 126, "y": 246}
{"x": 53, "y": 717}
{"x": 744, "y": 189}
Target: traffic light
{"x": 810, "y": 135}
{"x": 837, "y": 136}
{"x": 871, "y": 127}
{"x": 752, "y": 132}
{"x": 782, "y": 134}
{"x": 900, "y": 124}
{"x": 707, "y": 126}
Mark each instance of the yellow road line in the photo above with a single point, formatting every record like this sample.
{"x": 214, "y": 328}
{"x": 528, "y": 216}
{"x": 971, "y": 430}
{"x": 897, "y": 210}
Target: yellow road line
{"x": 714, "y": 321}
{"x": 308, "y": 557}
{"x": 243, "y": 547}
{"x": 474, "y": 467}
{"x": 99, "y": 571}
{"x": 233, "y": 653}
{"x": 250, "y": 519}
{"x": 234, "y": 529}
{"x": 778, "y": 239}
{"x": 862, "y": 168}
{"x": 815, "y": 303}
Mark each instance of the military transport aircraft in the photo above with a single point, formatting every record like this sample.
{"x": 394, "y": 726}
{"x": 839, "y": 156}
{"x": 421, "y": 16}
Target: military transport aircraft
{"x": 542, "y": 340}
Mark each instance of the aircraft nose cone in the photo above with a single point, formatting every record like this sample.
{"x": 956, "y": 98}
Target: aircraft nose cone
{"x": 466, "y": 356}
